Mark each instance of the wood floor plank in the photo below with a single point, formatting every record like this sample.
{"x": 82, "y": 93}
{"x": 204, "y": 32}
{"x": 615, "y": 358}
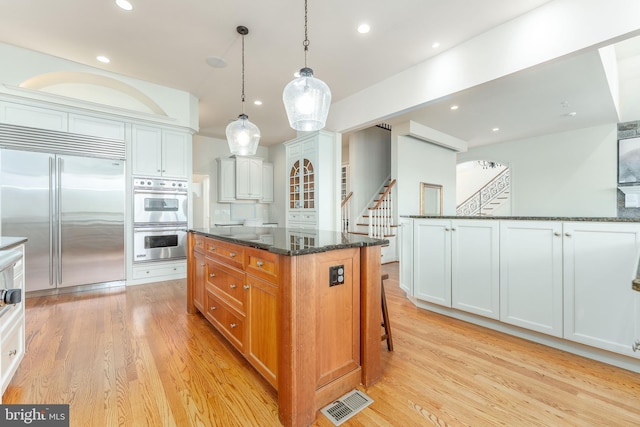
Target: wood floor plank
{"x": 133, "y": 356}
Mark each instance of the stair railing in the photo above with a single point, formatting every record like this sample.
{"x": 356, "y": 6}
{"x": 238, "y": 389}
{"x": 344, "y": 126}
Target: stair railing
{"x": 346, "y": 212}
{"x": 494, "y": 188}
{"x": 381, "y": 214}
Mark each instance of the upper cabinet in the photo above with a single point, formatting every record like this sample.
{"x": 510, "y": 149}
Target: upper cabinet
{"x": 160, "y": 152}
{"x": 244, "y": 179}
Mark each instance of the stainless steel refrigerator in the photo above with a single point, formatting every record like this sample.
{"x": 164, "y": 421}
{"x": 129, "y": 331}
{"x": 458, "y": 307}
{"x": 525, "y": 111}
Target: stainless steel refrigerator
{"x": 71, "y": 208}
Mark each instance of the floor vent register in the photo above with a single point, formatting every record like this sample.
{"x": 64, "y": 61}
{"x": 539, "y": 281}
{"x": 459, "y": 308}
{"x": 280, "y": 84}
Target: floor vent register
{"x": 346, "y": 407}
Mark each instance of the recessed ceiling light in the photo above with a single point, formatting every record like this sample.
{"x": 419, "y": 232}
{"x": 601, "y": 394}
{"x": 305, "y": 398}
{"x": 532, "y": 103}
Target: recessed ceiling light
{"x": 216, "y": 62}
{"x": 124, "y": 4}
{"x": 495, "y": 129}
{"x": 364, "y": 28}
{"x": 454, "y": 107}
{"x": 435, "y": 45}
{"x": 257, "y": 102}
{"x": 103, "y": 59}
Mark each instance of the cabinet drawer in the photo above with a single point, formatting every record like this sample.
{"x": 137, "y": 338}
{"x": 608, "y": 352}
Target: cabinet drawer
{"x": 12, "y": 348}
{"x": 226, "y": 320}
{"x": 199, "y": 245}
{"x": 303, "y": 217}
{"x": 229, "y": 283}
{"x": 262, "y": 264}
{"x": 158, "y": 271}
{"x": 226, "y": 252}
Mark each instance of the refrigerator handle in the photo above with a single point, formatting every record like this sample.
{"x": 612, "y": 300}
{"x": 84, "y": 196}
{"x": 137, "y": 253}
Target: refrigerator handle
{"x": 59, "y": 216}
{"x": 51, "y": 219}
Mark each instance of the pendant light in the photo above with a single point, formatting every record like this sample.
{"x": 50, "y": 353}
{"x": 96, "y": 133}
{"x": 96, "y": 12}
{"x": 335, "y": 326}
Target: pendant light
{"x": 306, "y": 99}
{"x": 242, "y": 135}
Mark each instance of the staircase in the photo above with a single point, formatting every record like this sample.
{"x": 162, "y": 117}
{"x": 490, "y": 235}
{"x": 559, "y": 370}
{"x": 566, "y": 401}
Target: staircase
{"x": 487, "y": 200}
{"x": 376, "y": 220}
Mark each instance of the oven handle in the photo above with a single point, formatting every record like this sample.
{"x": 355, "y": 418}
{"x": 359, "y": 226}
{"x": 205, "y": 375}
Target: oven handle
{"x": 161, "y": 192}
{"x": 156, "y": 229}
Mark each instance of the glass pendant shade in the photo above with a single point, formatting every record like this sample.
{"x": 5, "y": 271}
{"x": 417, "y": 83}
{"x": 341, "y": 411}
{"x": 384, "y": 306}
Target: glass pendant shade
{"x": 307, "y": 100}
{"x": 243, "y": 136}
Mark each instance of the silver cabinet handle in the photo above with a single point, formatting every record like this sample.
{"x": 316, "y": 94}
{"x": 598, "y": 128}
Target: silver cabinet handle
{"x": 212, "y": 248}
{"x": 212, "y": 274}
{"x": 232, "y": 286}
{"x": 557, "y": 234}
{"x": 212, "y": 308}
{"x": 246, "y": 286}
{"x": 13, "y": 352}
{"x": 453, "y": 229}
{"x": 446, "y": 229}
{"x": 232, "y": 254}
{"x": 202, "y": 265}
{"x": 567, "y": 234}
{"x": 233, "y": 325}
{"x": 636, "y": 346}
{"x": 259, "y": 263}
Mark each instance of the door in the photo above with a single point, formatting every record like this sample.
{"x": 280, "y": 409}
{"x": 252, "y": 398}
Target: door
{"x": 91, "y": 209}
{"x": 27, "y": 211}
{"x": 432, "y": 261}
{"x": 405, "y": 236}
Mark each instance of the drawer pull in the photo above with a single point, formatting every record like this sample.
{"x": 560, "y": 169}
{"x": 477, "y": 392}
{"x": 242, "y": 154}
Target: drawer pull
{"x": 233, "y": 325}
{"x": 211, "y": 248}
{"x": 232, "y": 286}
{"x": 212, "y": 308}
{"x": 13, "y": 352}
{"x": 232, "y": 254}
{"x": 212, "y": 274}
{"x": 203, "y": 264}
{"x": 246, "y": 286}
{"x": 259, "y": 263}
{"x": 636, "y": 346}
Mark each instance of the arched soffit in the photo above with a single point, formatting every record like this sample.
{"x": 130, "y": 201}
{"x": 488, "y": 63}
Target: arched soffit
{"x": 69, "y": 79}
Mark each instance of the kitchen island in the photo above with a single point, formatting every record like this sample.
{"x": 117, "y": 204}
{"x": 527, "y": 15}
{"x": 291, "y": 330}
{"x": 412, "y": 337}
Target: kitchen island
{"x": 302, "y": 306}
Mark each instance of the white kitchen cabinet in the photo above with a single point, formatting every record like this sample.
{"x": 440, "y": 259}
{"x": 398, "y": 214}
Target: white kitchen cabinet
{"x": 456, "y": 264}
{"x": 267, "y": 183}
{"x": 405, "y": 236}
{"x": 475, "y": 267}
{"x": 531, "y": 275}
{"x": 313, "y": 181}
{"x": 226, "y": 179}
{"x": 32, "y": 116}
{"x": 159, "y": 152}
{"x": 600, "y": 308}
{"x": 95, "y": 126}
{"x": 248, "y": 178}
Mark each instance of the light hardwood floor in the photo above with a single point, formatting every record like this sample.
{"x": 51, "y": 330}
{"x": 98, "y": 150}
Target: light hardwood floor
{"x": 135, "y": 357}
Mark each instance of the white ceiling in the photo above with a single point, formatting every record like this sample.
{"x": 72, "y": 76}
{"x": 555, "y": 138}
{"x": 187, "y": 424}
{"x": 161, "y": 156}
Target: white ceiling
{"x": 167, "y": 42}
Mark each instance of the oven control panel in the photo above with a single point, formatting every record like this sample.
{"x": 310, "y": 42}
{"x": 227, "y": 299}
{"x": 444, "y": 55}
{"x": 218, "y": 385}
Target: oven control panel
{"x": 159, "y": 184}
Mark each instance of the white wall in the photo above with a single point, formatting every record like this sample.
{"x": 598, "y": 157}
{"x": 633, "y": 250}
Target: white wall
{"x": 415, "y": 161}
{"x": 205, "y": 152}
{"x": 370, "y": 165}
{"x": 564, "y": 174}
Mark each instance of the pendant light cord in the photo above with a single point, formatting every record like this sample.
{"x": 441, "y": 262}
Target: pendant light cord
{"x": 305, "y": 43}
{"x": 243, "y": 74}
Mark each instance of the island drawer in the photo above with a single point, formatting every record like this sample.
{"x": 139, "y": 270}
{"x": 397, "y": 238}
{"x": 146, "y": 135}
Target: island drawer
{"x": 228, "y": 253}
{"x": 228, "y": 283}
{"x": 199, "y": 243}
{"x": 226, "y": 320}
{"x": 262, "y": 264}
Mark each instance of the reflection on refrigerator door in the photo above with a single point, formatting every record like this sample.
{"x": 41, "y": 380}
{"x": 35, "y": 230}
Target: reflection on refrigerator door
{"x": 71, "y": 209}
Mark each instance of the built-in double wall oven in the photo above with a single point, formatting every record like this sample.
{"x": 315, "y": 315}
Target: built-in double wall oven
{"x": 159, "y": 219}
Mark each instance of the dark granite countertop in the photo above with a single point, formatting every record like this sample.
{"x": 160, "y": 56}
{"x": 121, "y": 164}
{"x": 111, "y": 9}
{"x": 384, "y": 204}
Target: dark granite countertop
{"x": 9, "y": 242}
{"x": 288, "y": 241}
{"x": 529, "y": 218}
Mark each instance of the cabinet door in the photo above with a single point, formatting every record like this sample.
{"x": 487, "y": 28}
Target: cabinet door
{"x": 531, "y": 275}
{"x": 267, "y": 183}
{"x": 248, "y": 178}
{"x": 94, "y": 126}
{"x": 35, "y": 117}
{"x": 600, "y": 307}
{"x": 262, "y": 336}
{"x": 226, "y": 180}
{"x": 147, "y": 151}
{"x": 405, "y": 234}
{"x": 174, "y": 154}
{"x": 432, "y": 261}
{"x": 475, "y": 267}
{"x": 199, "y": 281}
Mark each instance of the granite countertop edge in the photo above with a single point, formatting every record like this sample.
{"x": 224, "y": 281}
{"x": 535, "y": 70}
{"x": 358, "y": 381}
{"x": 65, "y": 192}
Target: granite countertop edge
{"x": 528, "y": 218}
{"x": 291, "y": 252}
{"x": 9, "y": 242}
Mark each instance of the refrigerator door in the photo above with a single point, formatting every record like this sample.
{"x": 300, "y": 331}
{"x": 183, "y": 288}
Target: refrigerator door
{"x": 27, "y": 211}
{"x": 91, "y": 228}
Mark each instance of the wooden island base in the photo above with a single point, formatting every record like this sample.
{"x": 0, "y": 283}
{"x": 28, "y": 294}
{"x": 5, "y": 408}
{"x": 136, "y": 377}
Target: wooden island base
{"x": 312, "y": 339}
